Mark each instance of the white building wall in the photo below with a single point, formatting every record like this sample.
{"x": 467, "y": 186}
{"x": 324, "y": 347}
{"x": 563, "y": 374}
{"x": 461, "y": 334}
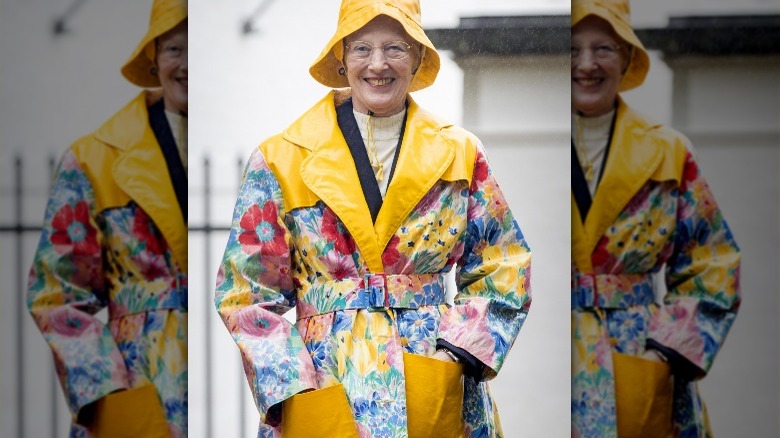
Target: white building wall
{"x": 729, "y": 107}
{"x": 519, "y": 108}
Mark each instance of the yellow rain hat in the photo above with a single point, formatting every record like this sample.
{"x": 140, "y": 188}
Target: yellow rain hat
{"x": 166, "y": 14}
{"x": 355, "y": 14}
{"x": 618, "y": 14}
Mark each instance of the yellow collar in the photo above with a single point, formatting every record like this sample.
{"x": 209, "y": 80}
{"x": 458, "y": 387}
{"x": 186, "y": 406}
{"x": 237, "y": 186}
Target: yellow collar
{"x": 429, "y": 152}
{"x": 639, "y": 152}
{"x": 142, "y": 173}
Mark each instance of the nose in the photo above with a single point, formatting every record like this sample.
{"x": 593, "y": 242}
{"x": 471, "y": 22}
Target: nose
{"x": 377, "y": 60}
{"x": 586, "y": 61}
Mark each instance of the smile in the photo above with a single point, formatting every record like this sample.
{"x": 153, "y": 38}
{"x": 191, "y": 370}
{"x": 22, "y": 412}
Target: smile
{"x": 379, "y": 82}
{"x": 586, "y": 82}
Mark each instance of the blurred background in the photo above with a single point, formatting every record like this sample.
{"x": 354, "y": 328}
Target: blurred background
{"x": 504, "y": 76}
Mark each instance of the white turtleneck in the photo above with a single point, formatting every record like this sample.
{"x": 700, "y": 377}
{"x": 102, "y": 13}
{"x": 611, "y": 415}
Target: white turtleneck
{"x": 387, "y": 131}
{"x": 178, "y": 124}
{"x": 591, "y": 135}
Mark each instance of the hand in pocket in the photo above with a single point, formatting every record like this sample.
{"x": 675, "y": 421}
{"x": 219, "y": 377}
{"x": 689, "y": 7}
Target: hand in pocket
{"x": 434, "y": 397}
{"x": 131, "y": 413}
{"x": 643, "y": 396}
{"x": 323, "y": 413}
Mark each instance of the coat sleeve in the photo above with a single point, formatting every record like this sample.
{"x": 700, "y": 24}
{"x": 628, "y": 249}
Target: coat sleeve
{"x": 493, "y": 277}
{"x": 254, "y": 290}
{"x": 66, "y": 290}
{"x": 702, "y": 277}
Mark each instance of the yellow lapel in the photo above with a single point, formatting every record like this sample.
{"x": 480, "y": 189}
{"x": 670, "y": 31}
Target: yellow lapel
{"x": 579, "y": 241}
{"x": 425, "y": 156}
{"x": 633, "y": 159}
{"x": 142, "y": 173}
{"x": 330, "y": 173}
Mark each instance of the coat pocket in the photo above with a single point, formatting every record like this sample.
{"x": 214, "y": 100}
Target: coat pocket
{"x": 643, "y": 397}
{"x": 131, "y": 413}
{"x": 320, "y": 413}
{"x": 434, "y": 397}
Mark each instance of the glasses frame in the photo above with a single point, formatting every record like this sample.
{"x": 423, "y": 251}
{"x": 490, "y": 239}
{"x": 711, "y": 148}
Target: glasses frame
{"x": 615, "y": 54}
{"x": 348, "y": 51}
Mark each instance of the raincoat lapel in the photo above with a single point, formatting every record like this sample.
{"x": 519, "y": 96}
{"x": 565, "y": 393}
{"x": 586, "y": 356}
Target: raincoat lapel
{"x": 330, "y": 173}
{"x": 142, "y": 173}
{"x": 633, "y": 160}
{"x": 424, "y": 158}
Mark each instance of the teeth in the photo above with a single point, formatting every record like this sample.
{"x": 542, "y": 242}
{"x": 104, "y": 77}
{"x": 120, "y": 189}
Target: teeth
{"x": 379, "y": 81}
{"x": 588, "y": 82}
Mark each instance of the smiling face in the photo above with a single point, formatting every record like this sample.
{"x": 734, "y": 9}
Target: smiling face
{"x": 171, "y": 60}
{"x": 380, "y": 84}
{"x": 599, "y": 58}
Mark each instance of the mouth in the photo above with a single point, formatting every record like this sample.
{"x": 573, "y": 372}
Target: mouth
{"x": 182, "y": 81}
{"x": 588, "y": 82}
{"x": 378, "y": 82}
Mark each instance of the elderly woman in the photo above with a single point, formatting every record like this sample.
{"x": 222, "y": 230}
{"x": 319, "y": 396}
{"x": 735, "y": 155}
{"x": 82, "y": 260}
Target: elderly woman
{"x": 115, "y": 236}
{"x": 640, "y": 205}
{"x": 354, "y": 215}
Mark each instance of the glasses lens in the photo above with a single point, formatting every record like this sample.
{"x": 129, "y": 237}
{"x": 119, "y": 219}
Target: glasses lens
{"x": 359, "y": 49}
{"x": 396, "y": 50}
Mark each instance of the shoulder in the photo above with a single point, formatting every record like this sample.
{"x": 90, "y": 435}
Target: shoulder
{"x": 436, "y": 130}
{"x": 669, "y": 139}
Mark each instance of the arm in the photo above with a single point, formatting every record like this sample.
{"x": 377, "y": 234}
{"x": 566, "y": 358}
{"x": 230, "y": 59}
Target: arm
{"x": 254, "y": 290}
{"x": 66, "y": 289}
{"x": 493, "y": 279}
{"x": 702, "y": 277}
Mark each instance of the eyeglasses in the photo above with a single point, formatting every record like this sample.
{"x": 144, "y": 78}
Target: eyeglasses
{"x": 171, "y": 51}
{"x": 602, "y": 52}
{"x": 363, "y": 50}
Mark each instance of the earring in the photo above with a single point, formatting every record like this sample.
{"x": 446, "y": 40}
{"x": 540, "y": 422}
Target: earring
{"x": 153, "y": 71}
{"x": 342, "y": 72}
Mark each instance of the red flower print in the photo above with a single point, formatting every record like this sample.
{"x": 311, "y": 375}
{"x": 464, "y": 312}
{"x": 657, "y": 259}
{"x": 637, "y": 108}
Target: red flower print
{"x": 262, "y": 232}
{"x": 340, "y": 266}
{"x": 600, "y": 255}
{"x": 72, "y": 231}
{"x": 334, "y": 231}
{"x": 480, "y": 170}
{"x": 391, "y": 254}
{"x": 144, "y": 229}
{"x": 691, "y": 171}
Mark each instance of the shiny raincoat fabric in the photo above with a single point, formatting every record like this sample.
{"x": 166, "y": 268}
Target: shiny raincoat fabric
{"x": 114, "y": 237}
{"x": 652, "y": 210}
{"x": 303, "y": 237}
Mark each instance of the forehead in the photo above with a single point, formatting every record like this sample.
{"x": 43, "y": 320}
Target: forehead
{"x": 593, "y": 28}
{"x": 381, "y": 28}
{"x": 177, "y": 34}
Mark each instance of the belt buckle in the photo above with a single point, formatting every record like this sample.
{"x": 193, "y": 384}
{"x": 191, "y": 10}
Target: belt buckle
{"x": 377, "y": 295}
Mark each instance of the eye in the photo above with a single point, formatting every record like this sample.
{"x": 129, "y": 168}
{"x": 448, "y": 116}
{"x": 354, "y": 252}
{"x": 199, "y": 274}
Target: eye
{"x": 360, "y": 48}
{"x": 575, "y": 51}
{"x": 173, "y": 49}
{"x": 606, "y": 49}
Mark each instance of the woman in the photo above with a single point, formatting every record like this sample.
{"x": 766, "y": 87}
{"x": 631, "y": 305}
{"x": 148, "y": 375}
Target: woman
{"x": 640, "y": 204}
{"x": 354, "y": 215}
{"x": 115, "y": 236}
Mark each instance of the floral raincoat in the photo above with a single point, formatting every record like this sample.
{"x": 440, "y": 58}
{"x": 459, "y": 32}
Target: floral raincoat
{"x": 114, "y": 236}
{"x": 652, "y": 211}
{"x": 369, "y": 294}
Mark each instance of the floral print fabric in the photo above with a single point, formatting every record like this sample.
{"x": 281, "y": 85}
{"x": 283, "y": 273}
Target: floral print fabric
{"x": 88, "y": 259}
{"x": 669, "y": 225}
{"x": 277, "y": 259}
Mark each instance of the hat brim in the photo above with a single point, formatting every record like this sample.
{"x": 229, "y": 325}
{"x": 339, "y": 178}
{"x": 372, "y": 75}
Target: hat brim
{"x": 639, "y": 63}
{"x": 325, "y": 68}
{"x": 138, "y": 68}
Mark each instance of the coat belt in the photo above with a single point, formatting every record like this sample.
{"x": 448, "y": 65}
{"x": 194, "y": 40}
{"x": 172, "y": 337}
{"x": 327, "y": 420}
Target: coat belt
{"x": 174, "y": 298}
{"x": 611, "y": 291}
{"x": 374, "y": 292}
